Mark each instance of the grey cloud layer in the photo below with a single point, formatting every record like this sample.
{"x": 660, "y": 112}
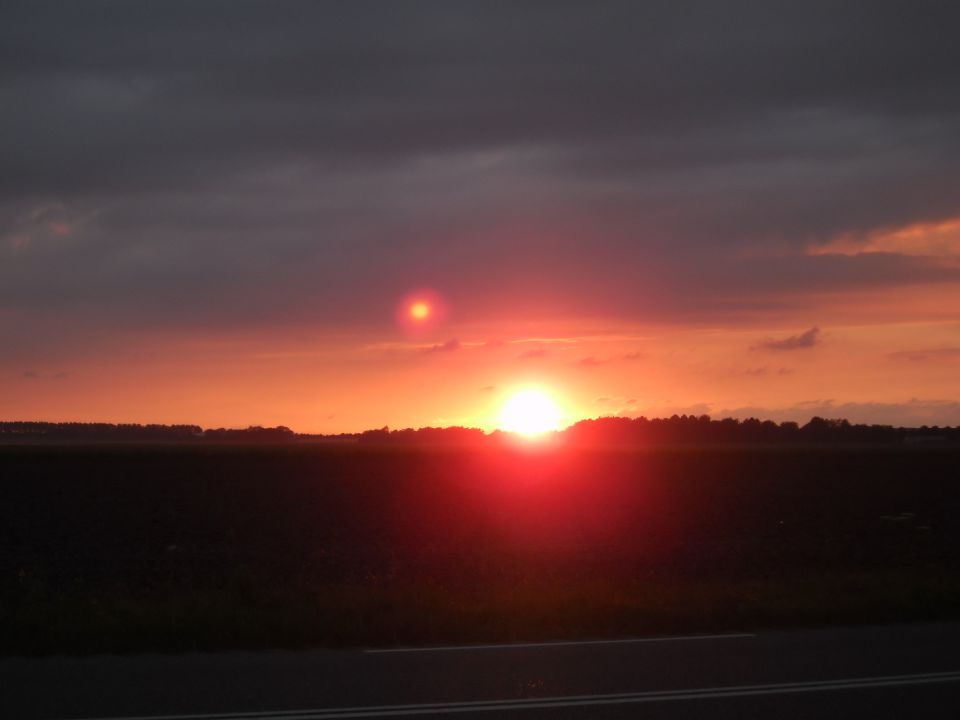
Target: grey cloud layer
{"x": 223, "y": 163}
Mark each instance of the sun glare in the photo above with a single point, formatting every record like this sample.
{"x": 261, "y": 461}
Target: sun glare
{"x": 530, "y": 412}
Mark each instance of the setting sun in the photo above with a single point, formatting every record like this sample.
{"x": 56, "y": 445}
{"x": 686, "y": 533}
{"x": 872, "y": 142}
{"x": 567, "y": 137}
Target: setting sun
{"x": 530, "y": 412}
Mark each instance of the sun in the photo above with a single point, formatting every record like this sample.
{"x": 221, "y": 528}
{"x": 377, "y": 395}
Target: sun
{"x": 419, "y": 310}
{"x": 530, "y": 412}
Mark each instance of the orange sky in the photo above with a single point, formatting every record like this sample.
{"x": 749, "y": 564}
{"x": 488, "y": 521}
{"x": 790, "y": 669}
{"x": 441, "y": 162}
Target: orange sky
{"x": 875, "y": 357}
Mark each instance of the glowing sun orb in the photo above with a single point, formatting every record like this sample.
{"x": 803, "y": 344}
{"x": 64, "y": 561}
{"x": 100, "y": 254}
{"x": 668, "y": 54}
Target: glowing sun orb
{"x": 419, "y": 310}
{"x": 530, "y": 412}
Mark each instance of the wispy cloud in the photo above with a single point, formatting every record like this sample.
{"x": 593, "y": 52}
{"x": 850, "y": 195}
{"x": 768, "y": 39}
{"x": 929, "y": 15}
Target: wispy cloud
{"x": 421, "y": 346}
{"x": 804, "y": 340}
{"x": 532, "y": 354}
{"x": 451, "y": 345}
{"x": 944, "y": 353}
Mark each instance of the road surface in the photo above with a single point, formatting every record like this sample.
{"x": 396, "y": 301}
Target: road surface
{"x": 870, "y": 672}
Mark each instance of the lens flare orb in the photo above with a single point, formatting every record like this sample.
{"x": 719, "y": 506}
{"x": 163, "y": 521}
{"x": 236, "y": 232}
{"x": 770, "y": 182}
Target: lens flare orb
{"x": 419, "y": 310}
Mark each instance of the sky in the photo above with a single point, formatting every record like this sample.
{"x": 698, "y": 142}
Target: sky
{"x": 219, "y": 213}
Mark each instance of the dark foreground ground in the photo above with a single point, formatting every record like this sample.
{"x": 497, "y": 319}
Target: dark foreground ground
{"x": 844, "y": 673}
{"x": 180, "y": 547}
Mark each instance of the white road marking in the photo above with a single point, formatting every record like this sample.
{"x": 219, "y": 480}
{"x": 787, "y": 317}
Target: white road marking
{"x": 651, "y": 696}
{"x": 558, "y": 643}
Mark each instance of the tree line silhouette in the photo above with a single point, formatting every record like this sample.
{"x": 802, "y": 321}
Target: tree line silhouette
{"x": 134, "y": 432}
{"x": 641, "y": 431}
{"x": 701, "y": 429}
{"x": 688, "y": 429}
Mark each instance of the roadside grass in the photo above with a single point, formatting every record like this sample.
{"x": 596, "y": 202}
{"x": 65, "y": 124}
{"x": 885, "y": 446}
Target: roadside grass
{"x": 120, "y": 621}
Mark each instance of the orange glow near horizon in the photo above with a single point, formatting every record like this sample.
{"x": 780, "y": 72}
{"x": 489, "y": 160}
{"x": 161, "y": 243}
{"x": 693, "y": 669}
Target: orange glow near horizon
{"x": 437, "y": 374}
{"x": 530, "y": 413}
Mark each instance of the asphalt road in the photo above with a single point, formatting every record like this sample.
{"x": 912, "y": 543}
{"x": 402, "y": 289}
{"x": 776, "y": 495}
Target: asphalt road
{"x": 872, "y": 672}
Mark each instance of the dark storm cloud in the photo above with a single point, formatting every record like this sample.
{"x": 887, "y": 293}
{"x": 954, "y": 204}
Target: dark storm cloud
{"x": 233, "y": 163}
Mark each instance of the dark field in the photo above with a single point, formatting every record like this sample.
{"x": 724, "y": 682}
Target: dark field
{"x": 180, "y": 547}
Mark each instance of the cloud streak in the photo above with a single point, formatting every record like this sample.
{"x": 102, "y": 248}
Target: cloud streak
{"x": 928, "y": 355}
{"x": 451, "y": 345}
{"x": 532, "y": 354}
{"x": 802, "y": 341}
